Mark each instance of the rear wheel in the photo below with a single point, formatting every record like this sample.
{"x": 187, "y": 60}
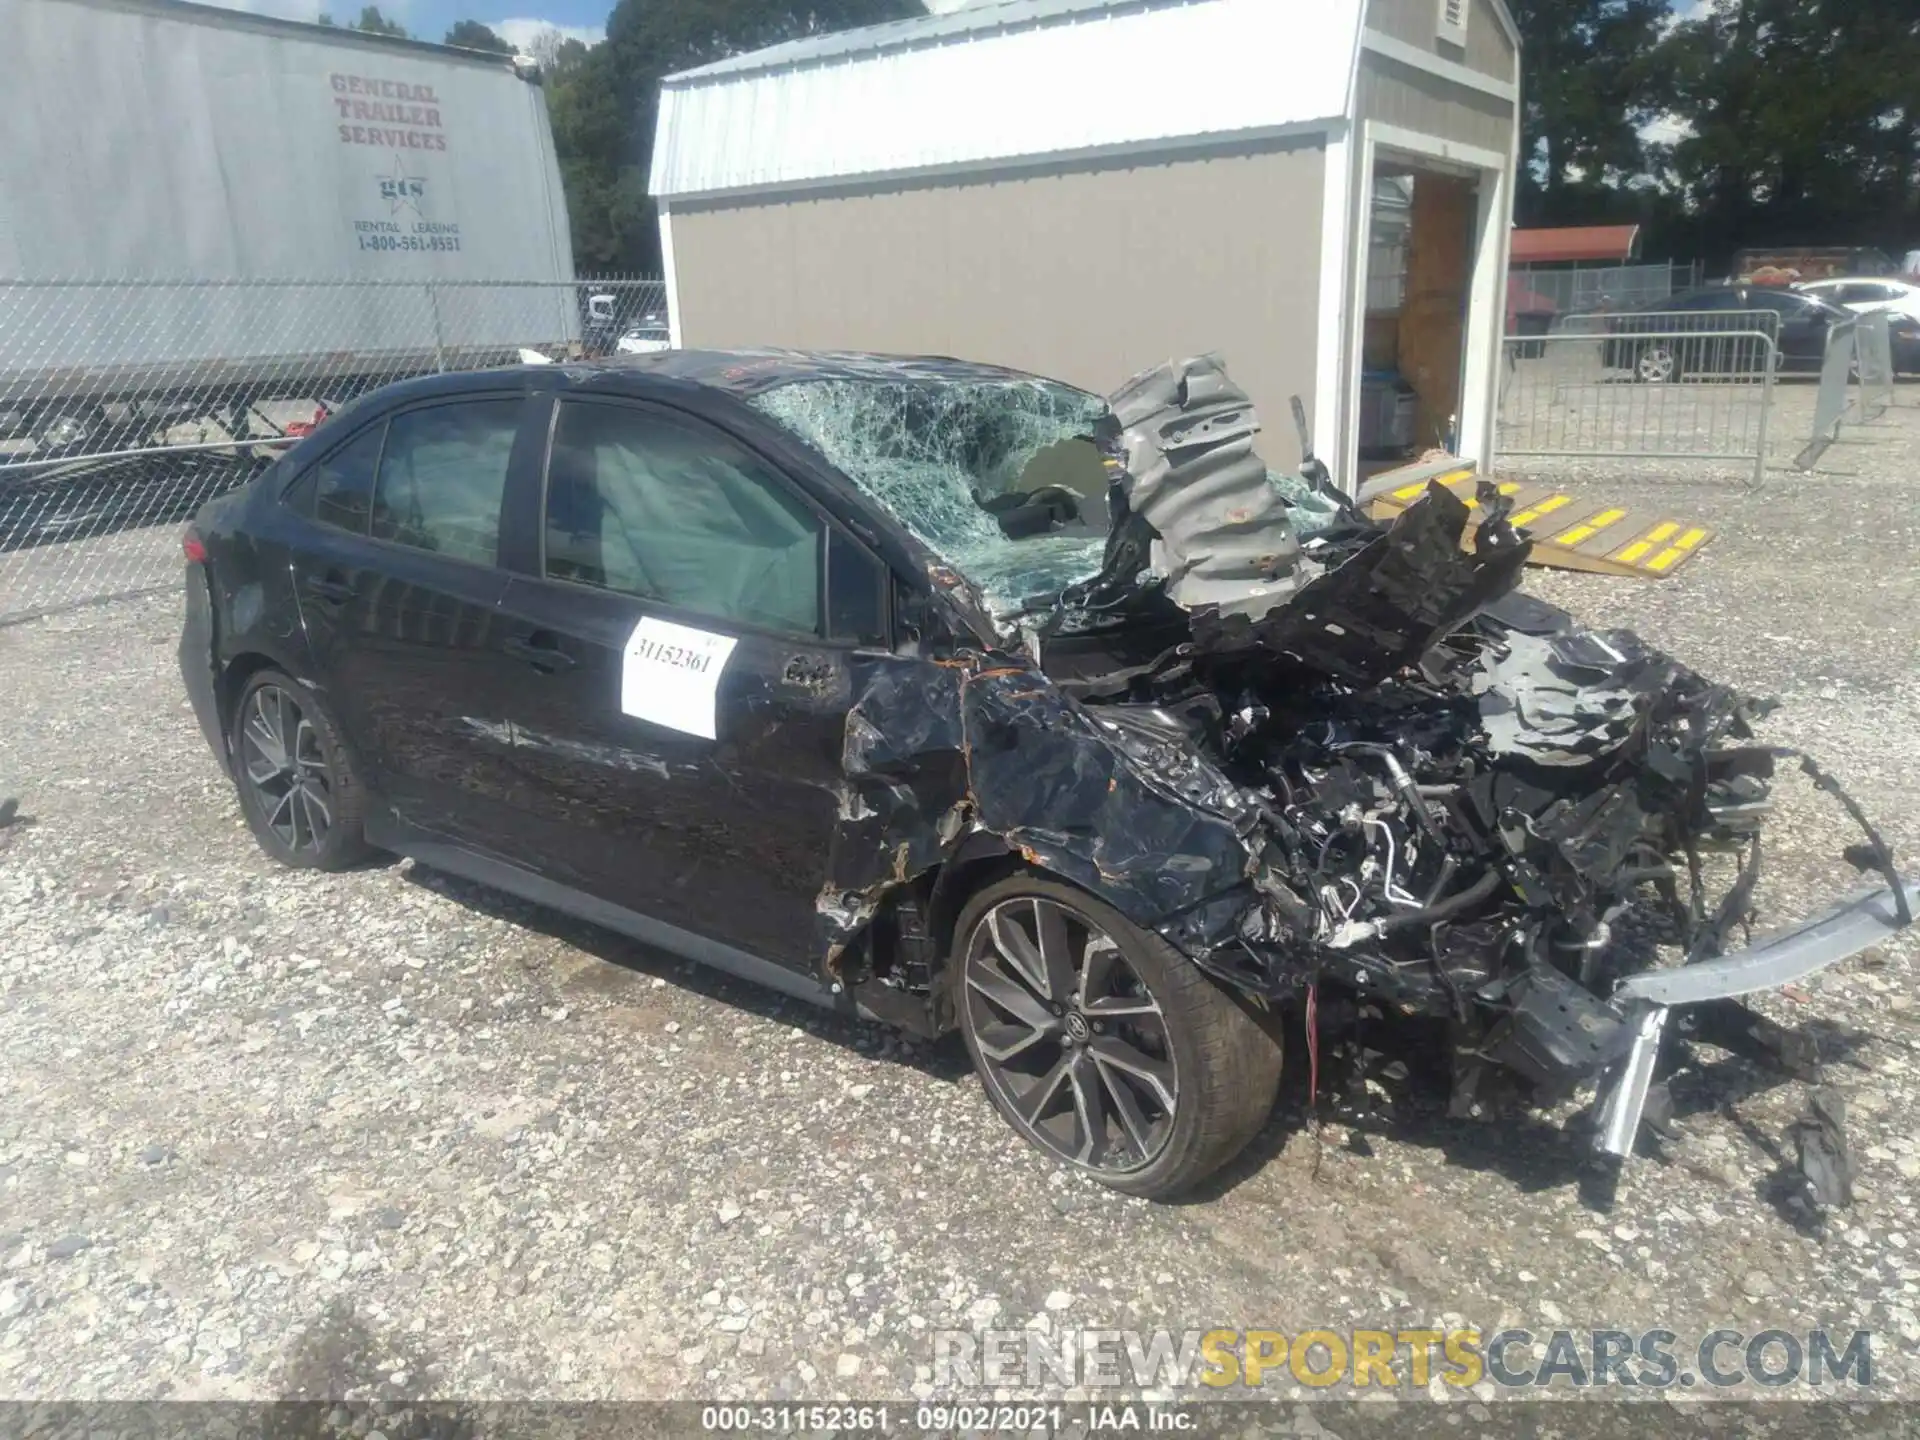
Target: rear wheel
{"x": 1101, "y": 1044}
{"x": 297, "y": 786}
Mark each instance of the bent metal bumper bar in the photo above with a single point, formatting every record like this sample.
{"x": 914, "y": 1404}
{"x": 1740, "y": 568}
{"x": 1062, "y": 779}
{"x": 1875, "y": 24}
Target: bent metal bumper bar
{"x": 1854, "y": 925}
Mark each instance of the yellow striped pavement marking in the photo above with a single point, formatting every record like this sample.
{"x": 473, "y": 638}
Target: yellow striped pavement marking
{"x": 1580, "y": 534}
{"x": 1545, "y": 507}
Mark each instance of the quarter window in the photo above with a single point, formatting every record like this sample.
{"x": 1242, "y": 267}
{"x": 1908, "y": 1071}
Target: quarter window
{"x": 442, "y": 476}
{"x": 646, "y": 505}
{"x": 342, "y": 484}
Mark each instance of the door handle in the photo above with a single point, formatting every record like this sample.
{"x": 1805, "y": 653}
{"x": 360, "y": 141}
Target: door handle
{"x": 540, "y": 651}
{"x": 329, "y": 588}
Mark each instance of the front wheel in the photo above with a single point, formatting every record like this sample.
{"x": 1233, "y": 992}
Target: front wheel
{"x": 1104, "y": 1046}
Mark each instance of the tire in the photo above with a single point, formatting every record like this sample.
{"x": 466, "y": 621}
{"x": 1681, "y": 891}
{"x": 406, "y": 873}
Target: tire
{"x": 285, "y": 788}
{"x": 1141, "y": 1024}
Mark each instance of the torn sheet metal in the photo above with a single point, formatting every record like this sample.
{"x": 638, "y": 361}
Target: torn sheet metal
{"x": 1387, "y": 605}
{"x": 1567, "y": 699}
{"x": 1224, "y": 534}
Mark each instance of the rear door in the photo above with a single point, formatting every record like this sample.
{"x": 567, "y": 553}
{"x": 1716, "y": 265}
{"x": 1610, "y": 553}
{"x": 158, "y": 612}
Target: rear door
{"x": 686, "y": 637}
{"x": 399, "y": 585}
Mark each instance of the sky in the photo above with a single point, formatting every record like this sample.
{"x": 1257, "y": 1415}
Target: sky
{"x": 514, "y": 20}
{"x": 518, "y": 20}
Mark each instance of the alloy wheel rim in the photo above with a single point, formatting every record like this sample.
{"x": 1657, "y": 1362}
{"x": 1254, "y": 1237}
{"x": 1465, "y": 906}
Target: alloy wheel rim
{"x": 1656, "y": 364}
{"x": 286, "y": 769}
{"x": 1071, "y": 1040}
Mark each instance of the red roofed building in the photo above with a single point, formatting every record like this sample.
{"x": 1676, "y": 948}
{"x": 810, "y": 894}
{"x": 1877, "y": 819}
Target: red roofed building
{"x": 1573, "y": 244}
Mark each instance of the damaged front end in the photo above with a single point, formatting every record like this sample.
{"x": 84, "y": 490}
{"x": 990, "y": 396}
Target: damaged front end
{"x": 1312, "y": 751}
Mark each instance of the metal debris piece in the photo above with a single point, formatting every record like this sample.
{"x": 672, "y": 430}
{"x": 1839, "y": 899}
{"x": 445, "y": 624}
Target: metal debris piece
{"x": 1225, "y": 536}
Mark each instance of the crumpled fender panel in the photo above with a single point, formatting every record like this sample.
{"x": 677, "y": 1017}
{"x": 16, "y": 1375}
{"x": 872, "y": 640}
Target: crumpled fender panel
{"x": 941, "y": 751}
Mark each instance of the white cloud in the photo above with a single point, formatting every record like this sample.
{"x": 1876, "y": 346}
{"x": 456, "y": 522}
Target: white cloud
{"x": 521, "y": 31}
{"x": 1695, "y": 10}
{"x": 1667, "y": 129}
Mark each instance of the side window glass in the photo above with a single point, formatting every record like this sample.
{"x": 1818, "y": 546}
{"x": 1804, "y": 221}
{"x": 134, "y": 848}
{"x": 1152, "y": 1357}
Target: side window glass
{"x": 343, "y": 482}
{"x": 642, "y": 504}
{"x": 856, "y": 593}
{"x": 442, "y": 476}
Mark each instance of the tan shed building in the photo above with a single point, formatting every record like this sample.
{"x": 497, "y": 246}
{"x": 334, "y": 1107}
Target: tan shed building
{"x": 1085, "y": 188}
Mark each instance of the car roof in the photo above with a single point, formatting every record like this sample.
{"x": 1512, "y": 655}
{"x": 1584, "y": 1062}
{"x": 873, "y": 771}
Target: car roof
{"x": 747, "y": 372}
{"x": 740, "y": 374}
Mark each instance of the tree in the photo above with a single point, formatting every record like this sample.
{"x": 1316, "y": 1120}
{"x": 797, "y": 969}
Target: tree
{"x": 1803, "y": 124}
{"x": 374, "y": 23}
{"x": 1590, "y": 84}
{"x": 603, "y": 101}
{"x": 551, "y": 50}
{"x": 472, "y": 35}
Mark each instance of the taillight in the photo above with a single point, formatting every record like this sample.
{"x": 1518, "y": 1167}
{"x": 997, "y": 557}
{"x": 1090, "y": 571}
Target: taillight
{"x": 194, "y": 548}
{"x": 300, "y": 429}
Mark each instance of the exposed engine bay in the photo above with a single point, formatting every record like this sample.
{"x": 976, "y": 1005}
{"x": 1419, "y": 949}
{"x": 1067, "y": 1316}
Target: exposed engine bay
{"x": 1314, "y": 751}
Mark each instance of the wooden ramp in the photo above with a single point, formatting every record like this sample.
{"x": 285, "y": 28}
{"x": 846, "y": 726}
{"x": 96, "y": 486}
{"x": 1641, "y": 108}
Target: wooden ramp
{"x": 1570, "y": 532}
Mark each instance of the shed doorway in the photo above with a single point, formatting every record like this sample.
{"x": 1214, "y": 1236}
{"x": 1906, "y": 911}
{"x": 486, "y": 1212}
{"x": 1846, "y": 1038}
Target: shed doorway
{"x": 1420, "y": 269}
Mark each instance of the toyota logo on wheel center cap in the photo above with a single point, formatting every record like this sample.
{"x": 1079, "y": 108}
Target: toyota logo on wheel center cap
{"x": 1077, "y": 1027}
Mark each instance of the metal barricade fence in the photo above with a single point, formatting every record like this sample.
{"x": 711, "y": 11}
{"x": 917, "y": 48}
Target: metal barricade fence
{"x": 1873, "y": 339}
{"x": 126, "y": 404}
{"x": 1648, "y": 385}
{"x": 1840, "y": 372}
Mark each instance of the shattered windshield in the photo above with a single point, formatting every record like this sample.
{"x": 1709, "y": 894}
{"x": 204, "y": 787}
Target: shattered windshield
{"x": 937, "y": 453}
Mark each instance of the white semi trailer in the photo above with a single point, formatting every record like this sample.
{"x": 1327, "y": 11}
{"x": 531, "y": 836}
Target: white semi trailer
{"x": 176, "y": 178}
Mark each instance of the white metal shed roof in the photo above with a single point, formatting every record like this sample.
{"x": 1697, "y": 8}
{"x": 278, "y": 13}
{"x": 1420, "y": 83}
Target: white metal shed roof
{"x": 1017, "y": 81}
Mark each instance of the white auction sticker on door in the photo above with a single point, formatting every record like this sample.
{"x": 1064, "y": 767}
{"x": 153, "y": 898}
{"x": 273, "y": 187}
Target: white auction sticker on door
{"x": 670, "y": 676}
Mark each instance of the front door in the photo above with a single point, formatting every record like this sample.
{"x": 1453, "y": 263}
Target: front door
{"x": 399, "y": 589}
{"x": 682, "y": 709}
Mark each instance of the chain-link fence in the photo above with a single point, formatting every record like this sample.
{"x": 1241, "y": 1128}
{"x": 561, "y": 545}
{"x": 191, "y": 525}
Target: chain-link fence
{"x": 126, "y": 404}
{"x": 1650, "y": 385}
{"x": 1609, "y": 287}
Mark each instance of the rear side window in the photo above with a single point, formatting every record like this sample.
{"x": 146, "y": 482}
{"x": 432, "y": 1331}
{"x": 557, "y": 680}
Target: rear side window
{"x": 645, "y": 505}
{"x": 339, "y": 490}
{"x": 442, "y": 476}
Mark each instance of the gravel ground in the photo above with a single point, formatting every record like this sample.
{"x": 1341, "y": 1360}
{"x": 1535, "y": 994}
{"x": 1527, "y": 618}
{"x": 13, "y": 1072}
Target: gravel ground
{"x": 270, "y": 1134}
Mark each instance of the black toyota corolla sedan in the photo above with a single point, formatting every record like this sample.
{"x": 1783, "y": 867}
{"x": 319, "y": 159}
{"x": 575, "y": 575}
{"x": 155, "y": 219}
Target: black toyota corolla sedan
{"x": 963, "y": 699}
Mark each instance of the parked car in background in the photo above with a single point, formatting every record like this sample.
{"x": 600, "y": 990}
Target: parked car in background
{"x": 649, "y": 337}
{"x": 1863, "y": 296}
{"x": 1671, "y": 351}
{"x": 1899, "y": 298}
